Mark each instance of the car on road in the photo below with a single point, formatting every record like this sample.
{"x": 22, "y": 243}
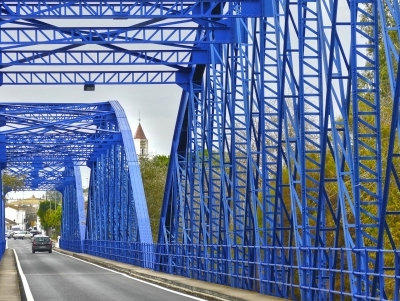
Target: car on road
{"x": 22, "y": 235}
{"x": 15, "y": 228}
{"x": 35, "y": 232}
{"x": 9, "y": 234}
{"x": 42, "y": 243}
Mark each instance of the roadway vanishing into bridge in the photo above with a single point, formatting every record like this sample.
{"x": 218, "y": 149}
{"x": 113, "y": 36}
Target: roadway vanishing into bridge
{"x": 61, "y": 277}
{"x": 284, "y": 166}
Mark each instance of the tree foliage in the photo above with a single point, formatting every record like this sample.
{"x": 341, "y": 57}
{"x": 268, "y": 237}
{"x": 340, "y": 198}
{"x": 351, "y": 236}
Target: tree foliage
{"x": 11, "y": 182}
{"x": 154, "y": 172}
{"x": 43, "y": 207}
{"x": 53, "y": 219}
{"x": 392, "y": 234}
{"x": 50, "y": 214}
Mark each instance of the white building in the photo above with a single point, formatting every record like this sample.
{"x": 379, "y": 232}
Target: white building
{"x": 16, "y": 215}
{"x": 22, "y": 213}
{"x": 141, "y": 142}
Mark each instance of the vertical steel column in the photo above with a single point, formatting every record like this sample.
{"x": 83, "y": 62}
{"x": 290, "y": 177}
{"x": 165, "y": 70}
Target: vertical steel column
{"x": 192, "y": 209}
{"x": 80, "y": 206}
{"x": 272, "y": 213}
{"x": 73, "y": 219}
{"x": 170, "y": 219}
{"x": 2, "y": 216}
{"x": 93, "y": 216}
{"x": 138, "y": 201}
{"x": 365, "y": 110}
{"x": 335, "y": 81}
{"x": 3, "y": 164}
{"x": 112, "y": 210}
{"x": 125, "y": 188}
{"x": 389, "y": 14}
{"x": 309, "y": 114}
{"x": 117, "y": 170}
{"x": 217, "y": 88}
{"x": 289, "y": 137}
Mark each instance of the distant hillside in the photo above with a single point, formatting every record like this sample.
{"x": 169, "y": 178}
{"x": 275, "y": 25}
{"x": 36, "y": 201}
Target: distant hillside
{"x": 24, "y": 202}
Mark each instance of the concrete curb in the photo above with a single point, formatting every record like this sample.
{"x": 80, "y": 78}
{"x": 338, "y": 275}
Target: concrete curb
{"x": 22, "y": 292}
{"x": 197, "y": 291}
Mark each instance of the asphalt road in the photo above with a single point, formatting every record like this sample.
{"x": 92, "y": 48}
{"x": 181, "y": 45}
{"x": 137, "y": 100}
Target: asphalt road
{"x": 59, "y": 277}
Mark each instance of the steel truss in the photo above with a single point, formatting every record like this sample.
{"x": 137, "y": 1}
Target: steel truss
{"x": 28, "y": 42}
{"x": 283, "y": 172}
{"x": 279, "y": 180}
{"x": 46, "y": 143}
{"x": 125, "y": 9}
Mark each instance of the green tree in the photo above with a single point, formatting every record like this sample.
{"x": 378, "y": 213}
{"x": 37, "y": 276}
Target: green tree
{"x": 50, "y": 217}
{"x": 386, "y": 107}
{"x": 53, "y": 220}
{"x": 11, "y": 182}
{"x": 43, "y": 208}
{"x": 154, "y": 172}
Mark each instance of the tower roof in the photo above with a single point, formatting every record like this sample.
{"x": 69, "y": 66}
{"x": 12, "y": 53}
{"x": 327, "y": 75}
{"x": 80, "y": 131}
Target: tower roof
{"x": 139, "y": 133}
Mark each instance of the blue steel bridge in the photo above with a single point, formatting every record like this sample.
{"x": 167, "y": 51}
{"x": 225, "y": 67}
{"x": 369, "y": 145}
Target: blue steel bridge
{"x": 284, "y": 166}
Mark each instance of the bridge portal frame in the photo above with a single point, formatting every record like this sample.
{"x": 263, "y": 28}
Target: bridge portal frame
{"x": 262, "y": 115}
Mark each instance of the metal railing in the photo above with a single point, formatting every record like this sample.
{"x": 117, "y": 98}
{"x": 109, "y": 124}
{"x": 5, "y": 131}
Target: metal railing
{"x": 331, "y": 273}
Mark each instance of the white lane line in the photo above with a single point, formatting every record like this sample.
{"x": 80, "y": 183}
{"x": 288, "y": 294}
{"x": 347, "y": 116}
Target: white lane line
{"x": 133, "y": 278}
{"x": 27, "y": 289}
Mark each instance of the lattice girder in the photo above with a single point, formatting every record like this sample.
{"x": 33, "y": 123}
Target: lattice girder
{"x": 283, "y": 174}
{"x": 47, "y": 144}
{"x": 321, "y": 115}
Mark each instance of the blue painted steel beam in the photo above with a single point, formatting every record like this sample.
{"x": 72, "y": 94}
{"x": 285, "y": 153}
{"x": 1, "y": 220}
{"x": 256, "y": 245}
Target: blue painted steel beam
{"x": 389, "y": 20}
{"x": 95, "y": 77}
{"x": 2, "y": 216}
{"x": 117, "y": 209}
{"x": 73, "y": 227}
{"x": 276, "y": 183}
{"x": 46, "y": 144}
{"x": 104, "y": 57}
{"x": 166, "y": 34}
{"x": 316, "y": 119}
{"x": 134, "y": 173}
{"x": 127, "y": 9}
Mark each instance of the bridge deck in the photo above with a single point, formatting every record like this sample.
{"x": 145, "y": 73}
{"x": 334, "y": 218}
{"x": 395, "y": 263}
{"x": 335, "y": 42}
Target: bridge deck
{"x": 11, "y": 292}
{"x": 209, "y": 291}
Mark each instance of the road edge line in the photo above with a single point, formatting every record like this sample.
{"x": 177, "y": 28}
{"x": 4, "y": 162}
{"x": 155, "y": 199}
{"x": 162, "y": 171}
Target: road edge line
{"x": 26, "y": 289}
{"x": 170, "y": 288}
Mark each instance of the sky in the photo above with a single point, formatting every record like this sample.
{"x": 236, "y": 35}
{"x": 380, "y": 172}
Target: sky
{"x": 157, "y": 104}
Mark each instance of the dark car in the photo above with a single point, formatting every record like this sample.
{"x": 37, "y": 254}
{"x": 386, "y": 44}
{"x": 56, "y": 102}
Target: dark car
{"x": 42, "y": 243}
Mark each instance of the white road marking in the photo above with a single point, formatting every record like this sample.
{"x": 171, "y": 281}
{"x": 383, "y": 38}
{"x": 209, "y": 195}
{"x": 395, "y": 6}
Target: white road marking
{"x": 133, "y": 278}
{"x": 27, "y": 289}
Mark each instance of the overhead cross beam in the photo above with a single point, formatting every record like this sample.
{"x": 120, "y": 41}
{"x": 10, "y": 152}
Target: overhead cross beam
{"x": 82, "y": 77}
{"x": 171, "y": 35}
{"x": 120, "y": 10}
{"x": 46, "y": 144}
{"x": 25, "y": 24}
{"x": 104, "y": 57}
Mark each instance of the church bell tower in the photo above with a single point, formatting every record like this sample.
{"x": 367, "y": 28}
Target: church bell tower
{"x": 141, "y": 142}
